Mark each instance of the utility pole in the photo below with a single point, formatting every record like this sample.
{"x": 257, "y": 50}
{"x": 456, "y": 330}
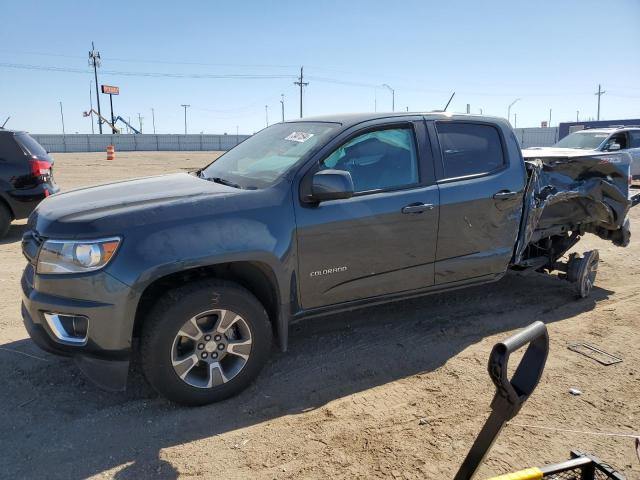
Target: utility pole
{"x": 140, "y": 122}
{"x": 153, "y": 120}
{"x": 185, "y": 117}
{"x": 113, "y": 120}
{"x": 266, "y": 113}
{"x": 577, "y": 115}
{"x": 550, "y": 110}
{"x": 91, "y": 104}
{"x": 282, "y": 104}
{"x": 599, "y": 93}
{"x": 301, "y": 84}
{"x": 393, "y": 96}
{"x": 62, "y": 117}
{"x": 94, "y": 60}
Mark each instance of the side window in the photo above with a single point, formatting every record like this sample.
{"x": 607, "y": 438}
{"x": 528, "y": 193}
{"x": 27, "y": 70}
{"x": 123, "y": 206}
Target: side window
{"x": 378, "y": 160}
{"x": 619, "y": 138}
{"x": 469, "y": 149}
{"x": 634, "y": 137}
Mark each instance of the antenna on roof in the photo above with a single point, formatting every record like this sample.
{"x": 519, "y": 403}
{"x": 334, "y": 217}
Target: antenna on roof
{"x": 5, "y": 122}
{"x": 447, "y": 105}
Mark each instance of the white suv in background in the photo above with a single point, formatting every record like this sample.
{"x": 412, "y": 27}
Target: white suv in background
{"x": 602, "y": 140}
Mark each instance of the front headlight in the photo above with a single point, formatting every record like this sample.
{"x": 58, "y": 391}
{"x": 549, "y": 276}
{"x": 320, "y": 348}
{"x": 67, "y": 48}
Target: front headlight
{"x": 76, "y": 256}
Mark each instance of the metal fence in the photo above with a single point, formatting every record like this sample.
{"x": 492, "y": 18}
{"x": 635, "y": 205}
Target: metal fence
{"x": 56, "y": 143}
{"x": 137, "y": 143}
{"x": 536, "y": 137}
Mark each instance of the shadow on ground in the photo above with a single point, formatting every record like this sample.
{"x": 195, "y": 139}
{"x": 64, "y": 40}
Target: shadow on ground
{"x": 52, "y": 416}
{"x": 14, "y": 234}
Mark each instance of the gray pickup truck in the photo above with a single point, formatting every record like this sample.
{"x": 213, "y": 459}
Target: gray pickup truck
{"x": 198, "y": 271}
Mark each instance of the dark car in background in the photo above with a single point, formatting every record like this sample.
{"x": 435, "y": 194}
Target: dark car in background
{"x": 26, "y": 176}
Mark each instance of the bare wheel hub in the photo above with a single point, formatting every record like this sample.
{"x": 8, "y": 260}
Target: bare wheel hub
{"x": 211, "y": 348}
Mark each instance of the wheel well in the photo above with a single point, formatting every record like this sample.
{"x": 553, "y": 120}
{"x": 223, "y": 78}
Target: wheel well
{"x": 256, "y": 277}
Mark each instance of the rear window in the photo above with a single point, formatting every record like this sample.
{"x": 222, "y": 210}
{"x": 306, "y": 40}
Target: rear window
{"x": 469, "y": 149}
{"x": 30, "y": 145}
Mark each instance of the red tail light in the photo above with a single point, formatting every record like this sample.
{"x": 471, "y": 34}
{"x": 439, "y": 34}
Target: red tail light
{"x": 40, "y": 168}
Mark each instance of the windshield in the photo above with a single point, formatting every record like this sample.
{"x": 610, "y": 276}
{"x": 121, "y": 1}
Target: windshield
{"x": 263, "y": 158}
{"x": 582, "y": 140}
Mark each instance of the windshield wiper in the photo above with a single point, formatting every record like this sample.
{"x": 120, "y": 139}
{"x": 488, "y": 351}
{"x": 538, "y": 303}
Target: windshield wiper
{"x": 223, "y": 181}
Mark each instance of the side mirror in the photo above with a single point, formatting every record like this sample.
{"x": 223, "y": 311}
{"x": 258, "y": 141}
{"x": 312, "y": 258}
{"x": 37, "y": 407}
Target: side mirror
{"x": 331, "y": 185}
{"x": 613, "y": 147}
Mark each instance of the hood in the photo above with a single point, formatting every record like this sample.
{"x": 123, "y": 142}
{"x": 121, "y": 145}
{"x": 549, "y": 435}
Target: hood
{"x": 112, "y": 207}
{"x": 542, "y": 152}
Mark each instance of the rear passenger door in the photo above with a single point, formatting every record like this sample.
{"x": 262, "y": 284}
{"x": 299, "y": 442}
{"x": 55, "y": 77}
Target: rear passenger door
{"x": 481, "y": 178}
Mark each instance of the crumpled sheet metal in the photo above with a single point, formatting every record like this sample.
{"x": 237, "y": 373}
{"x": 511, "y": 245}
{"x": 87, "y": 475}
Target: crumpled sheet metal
{"x": 590, "y": 191}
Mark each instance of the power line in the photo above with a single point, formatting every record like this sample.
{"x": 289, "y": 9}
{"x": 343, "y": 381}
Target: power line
{"x": 235, "y": 76}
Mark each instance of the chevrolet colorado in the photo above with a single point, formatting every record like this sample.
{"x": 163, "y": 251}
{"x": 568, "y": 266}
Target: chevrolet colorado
{"x": 197, "y": 271}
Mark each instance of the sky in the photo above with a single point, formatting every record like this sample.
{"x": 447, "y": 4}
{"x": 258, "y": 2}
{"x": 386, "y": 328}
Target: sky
{"x": 229, "y": 60}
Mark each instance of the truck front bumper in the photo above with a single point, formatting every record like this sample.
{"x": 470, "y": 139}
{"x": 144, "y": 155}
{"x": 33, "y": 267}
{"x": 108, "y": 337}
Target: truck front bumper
{"x": 103, "y": 351}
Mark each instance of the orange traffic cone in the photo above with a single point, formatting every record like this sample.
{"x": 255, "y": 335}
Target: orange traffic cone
{"x": 111, "y": 152}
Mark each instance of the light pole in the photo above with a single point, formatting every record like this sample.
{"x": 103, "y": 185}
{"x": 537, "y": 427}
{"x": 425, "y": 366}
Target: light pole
{"x": 153, "y": 120}
{"x": 62, "y": 117}
{"x": 185, "y": 116}
{"x": 577, "y": 115}
{"x": 515, "y": 120}
{"x": 550, "y": 110}
{"x": 282, "y": 104}
{"x": 509, "y": 109}
{"x": 393, "y": 96}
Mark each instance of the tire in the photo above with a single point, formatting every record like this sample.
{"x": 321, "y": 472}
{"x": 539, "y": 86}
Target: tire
{"x": 582, "y": 271}
{"x": 5, "y": 220}
{"x": 173, "y": 344}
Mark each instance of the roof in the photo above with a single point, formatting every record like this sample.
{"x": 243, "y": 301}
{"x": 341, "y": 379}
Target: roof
{"x": 350, "y": 119}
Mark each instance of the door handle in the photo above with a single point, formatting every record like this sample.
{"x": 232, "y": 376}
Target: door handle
{"x": 417, "y": 208}
{"x": 504, "y": 195}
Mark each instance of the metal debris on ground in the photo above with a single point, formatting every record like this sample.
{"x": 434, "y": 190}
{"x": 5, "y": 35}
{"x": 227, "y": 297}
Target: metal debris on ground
{"x": 595, "y": 353}
{"x": 575, "y": 391}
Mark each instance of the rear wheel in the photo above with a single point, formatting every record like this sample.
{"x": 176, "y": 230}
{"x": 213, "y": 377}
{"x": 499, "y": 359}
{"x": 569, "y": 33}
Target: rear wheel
{"x": 582, "y": 272}
{"x": 5, "y": 220}
{"x": 205, "y": 342}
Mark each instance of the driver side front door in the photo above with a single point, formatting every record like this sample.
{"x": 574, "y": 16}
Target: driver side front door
{"x": 383, "y": 239}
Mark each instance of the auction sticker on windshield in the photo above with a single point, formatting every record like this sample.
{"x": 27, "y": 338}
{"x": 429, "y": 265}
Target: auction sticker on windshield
{"x": 299, "y": 137}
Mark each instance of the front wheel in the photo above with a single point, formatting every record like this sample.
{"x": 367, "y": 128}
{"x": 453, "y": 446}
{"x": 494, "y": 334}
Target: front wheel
{"x": 205, "y": 342}
{"x": 5, "y": 220}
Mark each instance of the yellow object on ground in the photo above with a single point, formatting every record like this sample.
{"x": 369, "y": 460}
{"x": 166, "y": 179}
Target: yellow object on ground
{"x": 528, "y": 474}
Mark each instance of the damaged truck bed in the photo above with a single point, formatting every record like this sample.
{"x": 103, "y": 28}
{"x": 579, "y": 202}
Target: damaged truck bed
{"x": 567, "y": 196}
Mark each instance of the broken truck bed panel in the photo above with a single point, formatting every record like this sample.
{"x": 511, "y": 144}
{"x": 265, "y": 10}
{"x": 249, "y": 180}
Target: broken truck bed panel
{"x": 588, "y": 193}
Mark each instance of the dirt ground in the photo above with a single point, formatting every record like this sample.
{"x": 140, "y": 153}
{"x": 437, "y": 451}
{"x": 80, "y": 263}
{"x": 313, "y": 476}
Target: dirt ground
{"x": 396, "y": 391}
